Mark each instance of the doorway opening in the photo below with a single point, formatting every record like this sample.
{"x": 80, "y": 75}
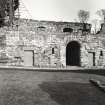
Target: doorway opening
{"x": 91, "y": 58}
{"x": 28, "y": 58}
{"x": 73, "y": 54}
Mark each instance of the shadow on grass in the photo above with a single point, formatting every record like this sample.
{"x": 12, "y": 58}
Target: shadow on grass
{"x": 52, "y": 93}
{"x": 67, "y": 93}
{"x": 86, "y": 71}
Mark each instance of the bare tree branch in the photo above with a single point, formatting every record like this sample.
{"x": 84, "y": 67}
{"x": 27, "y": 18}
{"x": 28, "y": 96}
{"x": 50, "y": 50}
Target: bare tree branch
{"x": 83, "y": 16}
{"x": 101, "y": 13}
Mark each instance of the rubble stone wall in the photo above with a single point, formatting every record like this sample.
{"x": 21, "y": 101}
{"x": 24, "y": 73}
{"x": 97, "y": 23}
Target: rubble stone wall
{"x": 48, "y": 42}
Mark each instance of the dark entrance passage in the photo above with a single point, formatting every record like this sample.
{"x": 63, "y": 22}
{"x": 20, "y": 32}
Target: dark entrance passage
{"x": 73, "y": 54}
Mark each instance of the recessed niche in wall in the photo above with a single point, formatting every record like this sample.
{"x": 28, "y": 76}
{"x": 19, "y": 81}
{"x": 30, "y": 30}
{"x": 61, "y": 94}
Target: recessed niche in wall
{"x": 101, "y": 53}
{"x": 41, "y": 28}
{"x": 53, "y": 51}
{"x": 70, "y": 30}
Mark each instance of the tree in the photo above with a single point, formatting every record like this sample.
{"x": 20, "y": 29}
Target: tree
{"x": 101, "y": 13}
{"x": 5, "y": 9}
{"x": 95, "y": 25}
{"x": 83, "y": 16}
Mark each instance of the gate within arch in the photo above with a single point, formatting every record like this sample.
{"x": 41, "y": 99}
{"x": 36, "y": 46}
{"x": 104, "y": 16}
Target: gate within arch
{"x": 73, "y": 54}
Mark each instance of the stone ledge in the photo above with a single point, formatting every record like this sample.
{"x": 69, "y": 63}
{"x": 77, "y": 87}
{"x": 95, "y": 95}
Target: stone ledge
{"x": 98, "y": 84}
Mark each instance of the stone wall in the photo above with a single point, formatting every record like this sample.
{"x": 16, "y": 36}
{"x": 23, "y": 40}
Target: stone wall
{"x": 48, "y": 42}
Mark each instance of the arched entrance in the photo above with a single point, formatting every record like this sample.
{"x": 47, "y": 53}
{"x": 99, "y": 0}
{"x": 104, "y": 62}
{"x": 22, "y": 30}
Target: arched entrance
{"x": 73, "y": 54}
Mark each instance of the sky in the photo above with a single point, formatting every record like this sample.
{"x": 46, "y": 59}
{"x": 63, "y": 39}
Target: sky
{"x": 59, "y": 10}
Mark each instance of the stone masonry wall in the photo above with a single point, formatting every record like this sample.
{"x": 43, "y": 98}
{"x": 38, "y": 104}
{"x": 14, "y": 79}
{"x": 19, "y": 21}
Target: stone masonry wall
{"x": 49, "y": 42}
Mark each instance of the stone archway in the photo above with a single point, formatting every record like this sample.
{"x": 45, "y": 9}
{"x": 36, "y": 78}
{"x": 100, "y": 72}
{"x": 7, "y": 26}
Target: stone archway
{"x": 73, "y": 54}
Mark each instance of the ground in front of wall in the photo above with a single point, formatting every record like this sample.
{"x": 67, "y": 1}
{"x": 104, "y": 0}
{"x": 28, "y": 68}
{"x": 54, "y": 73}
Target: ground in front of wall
{"x": 49, "y": 88}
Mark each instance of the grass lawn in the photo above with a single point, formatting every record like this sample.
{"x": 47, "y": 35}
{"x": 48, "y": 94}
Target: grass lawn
{"x": 49, "y": 88}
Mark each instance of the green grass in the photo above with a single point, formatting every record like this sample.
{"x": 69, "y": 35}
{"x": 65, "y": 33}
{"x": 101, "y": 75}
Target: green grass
{"x": 68, "y": 93}
{"x": 48, "y": 88}
{"x": 14, "y": 95}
